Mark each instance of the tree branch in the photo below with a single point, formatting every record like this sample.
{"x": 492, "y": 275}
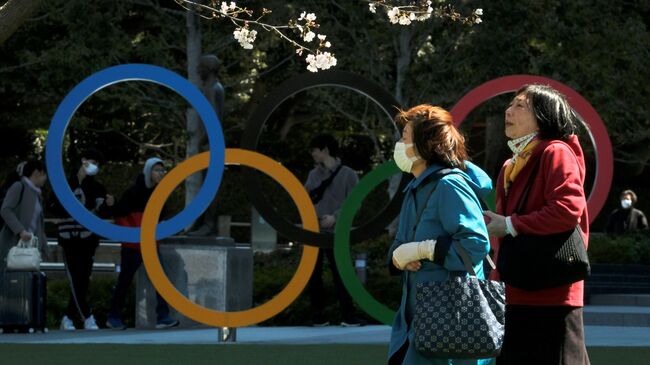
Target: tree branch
{"x": 13, "y": 14}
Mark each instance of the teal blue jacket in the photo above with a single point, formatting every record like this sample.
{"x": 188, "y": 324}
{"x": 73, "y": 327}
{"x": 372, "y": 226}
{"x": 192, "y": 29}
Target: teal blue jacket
{"x": 452, "y": 212}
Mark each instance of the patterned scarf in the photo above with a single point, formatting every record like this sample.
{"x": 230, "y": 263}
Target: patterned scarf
{"x": 521, "y": 148}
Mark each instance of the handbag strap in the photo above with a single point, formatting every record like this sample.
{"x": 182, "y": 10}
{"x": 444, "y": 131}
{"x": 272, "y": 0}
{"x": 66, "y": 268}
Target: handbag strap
{"x": 459, "y": 248}
{"x": 419, "y": 213}
{"x": 317, "y": 193}
{"x": 467, "y": 261}
{"x": 438, "y": 174}
{"x": 32, "y": 243}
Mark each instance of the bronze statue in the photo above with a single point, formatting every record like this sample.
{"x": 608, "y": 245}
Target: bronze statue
{"x": 214, "y": 92}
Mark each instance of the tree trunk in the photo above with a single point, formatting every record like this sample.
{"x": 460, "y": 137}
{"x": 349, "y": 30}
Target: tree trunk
{"x": 403, "y": 48}
{"x": 494, "y": 141}
{"x": 13, "y": 14}
{"x": 195, "y": 130}
{"x": 403, "y": 62}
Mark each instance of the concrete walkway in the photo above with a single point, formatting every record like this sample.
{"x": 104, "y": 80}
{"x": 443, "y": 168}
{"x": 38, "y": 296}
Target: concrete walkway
{"x": 596, "y": 336}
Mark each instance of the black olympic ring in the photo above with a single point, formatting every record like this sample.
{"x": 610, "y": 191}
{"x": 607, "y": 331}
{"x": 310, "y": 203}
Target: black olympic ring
{"x": 252, "y": 132}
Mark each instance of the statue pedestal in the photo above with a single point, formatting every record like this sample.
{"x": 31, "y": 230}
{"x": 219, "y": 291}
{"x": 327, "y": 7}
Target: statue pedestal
{"x": 210, "y": 271}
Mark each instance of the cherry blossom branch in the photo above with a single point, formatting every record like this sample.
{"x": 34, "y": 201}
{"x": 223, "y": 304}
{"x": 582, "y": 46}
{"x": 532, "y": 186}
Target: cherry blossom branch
{"x": 317, "y": 57}
{"x": 422, "y": 10}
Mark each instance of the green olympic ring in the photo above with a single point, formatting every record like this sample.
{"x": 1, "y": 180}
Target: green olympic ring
{"x": 342, "y": 255}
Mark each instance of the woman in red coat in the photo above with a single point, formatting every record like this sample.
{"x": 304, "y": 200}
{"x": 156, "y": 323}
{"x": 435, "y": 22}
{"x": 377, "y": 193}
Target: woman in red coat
{"x": 542, "y": 326}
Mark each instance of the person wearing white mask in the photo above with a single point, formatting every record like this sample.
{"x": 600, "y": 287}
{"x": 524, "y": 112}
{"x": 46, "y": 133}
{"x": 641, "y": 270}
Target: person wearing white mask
{"x": 78, "y": 243}
{"x": 441, "y": 206}
{"x": 627, "y": 218}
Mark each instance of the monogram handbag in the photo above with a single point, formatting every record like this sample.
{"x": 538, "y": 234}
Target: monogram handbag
{"x": 534, "y": 262}
{"x": 461, "y": 317}
{"x": 25, "y": 256}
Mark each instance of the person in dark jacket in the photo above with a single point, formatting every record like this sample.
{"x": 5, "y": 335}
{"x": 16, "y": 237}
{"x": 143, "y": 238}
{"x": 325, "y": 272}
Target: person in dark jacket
{"x": 128, "y": 212}
{"x": 78, "y": 243}
{"x": 628, "y": 218}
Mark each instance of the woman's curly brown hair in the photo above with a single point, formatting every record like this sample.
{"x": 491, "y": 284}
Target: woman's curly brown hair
{"x": 435, "y": 137}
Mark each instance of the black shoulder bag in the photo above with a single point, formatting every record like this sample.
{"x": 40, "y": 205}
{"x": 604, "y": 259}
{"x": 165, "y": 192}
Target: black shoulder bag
{"x": 317, "y": 193}
{"x": 534, "y": 262}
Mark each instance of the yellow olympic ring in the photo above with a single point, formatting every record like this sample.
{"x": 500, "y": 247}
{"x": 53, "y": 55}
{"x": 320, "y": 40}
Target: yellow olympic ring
{"x": 213, "y": 317}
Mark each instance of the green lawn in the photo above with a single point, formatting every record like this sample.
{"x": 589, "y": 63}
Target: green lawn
{"x": 244, "y": 354}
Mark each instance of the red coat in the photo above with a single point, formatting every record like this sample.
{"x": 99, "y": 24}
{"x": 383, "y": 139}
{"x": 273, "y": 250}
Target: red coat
{"x": 133, "y": 219}
{"x": 129, "y": 209}
{"x": 556, "y": 203}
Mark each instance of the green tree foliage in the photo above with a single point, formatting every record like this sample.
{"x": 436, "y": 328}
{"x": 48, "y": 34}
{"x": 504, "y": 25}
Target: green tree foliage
{"x": 598, "y": 47}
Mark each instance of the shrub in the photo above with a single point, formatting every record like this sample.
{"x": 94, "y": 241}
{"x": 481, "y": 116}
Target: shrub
{"x": 274, "y": 270}
{"x": 100, "y": 293}
{"x": 632, "y": 248}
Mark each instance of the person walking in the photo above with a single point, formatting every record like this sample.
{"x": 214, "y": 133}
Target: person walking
{"x": 540, "y": 191}
{"x": 436, "y": 212}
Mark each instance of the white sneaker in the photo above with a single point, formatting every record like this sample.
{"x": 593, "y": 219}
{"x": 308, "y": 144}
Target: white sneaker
{"x": 66, "y": 324}
{"x": 90, "y": 324}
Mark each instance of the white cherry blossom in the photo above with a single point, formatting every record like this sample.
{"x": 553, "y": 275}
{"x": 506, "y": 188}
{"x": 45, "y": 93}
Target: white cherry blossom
{"x": 419, "y": 10}
{"x": 245, "y": 37}
{"x": 322, "y": 61}
{"x": 309, "y": 36}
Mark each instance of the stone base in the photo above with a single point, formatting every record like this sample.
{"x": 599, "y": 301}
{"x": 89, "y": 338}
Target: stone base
{"x": 210, "y": 271}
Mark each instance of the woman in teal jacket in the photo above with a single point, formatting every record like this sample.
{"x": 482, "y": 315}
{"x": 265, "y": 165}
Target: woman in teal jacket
{"x": 450, "y": 211}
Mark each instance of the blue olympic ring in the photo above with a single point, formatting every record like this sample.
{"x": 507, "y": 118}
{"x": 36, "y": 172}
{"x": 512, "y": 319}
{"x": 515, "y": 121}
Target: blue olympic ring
{"x": 107, "y": 77}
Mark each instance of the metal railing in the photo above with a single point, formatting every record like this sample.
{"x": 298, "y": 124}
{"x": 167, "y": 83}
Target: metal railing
{"x": 97, "y": 266}
{"x": 223, "y": 228}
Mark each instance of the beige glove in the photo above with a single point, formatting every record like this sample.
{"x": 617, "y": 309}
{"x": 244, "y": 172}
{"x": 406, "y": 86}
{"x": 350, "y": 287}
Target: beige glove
{"x": 414, "y": 251}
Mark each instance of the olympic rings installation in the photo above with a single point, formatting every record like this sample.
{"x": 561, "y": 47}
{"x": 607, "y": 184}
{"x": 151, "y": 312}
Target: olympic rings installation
{"x": 218, "y": 156}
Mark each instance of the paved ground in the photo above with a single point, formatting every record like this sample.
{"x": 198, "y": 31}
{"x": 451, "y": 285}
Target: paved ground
{"x": 597, "y": 336}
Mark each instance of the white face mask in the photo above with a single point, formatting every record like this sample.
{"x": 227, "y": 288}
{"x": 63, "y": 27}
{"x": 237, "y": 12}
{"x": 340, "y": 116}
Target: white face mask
{"x": 91, "y": 169}
{"x": 403, "y": 161}
{"x": 626, "y": 203}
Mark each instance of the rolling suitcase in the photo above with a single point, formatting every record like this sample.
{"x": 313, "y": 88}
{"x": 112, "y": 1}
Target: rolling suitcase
{"x": 22, "y": 301}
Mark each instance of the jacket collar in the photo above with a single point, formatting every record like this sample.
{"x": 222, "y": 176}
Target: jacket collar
{"x": 423, "y": 176}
